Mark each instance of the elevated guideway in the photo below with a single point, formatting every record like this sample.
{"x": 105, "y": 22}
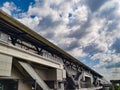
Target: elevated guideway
{"x": 40, "y": 63}
{"x": 11, "y": 50}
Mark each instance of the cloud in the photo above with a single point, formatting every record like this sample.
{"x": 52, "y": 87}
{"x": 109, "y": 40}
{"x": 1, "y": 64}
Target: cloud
{"x": 92, "y": 49}
{"x": 104, "y": 28}
{"x": 116, "y": 45}
{"x": 30, "y": 22}
{"x": 113, "y": 65}
{"x": 79, "y": 16}
{"x": 47, "y": 23}
{"x": 69, "y": 44}
{"x": 9, "y": 7}
{"x": 94, "y": 5}
{"x": 84, "y": 28}
{"x": 78, "y": 33}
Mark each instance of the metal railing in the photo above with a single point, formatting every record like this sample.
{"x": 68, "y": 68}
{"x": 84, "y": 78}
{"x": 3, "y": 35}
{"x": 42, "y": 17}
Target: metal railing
{"x": 28, "y": 47}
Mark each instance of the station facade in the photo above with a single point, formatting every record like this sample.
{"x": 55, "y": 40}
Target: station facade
{"x": 30, "y": 62}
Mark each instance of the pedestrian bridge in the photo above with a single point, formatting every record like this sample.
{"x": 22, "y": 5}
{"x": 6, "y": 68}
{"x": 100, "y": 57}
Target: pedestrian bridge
{"x": 30, "y": 62}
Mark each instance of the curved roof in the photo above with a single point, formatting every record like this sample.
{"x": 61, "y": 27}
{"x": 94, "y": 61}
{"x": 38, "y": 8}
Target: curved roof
{"x": 50, "y": 46}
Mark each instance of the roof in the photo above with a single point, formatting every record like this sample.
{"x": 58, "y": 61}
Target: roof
{"x": 22, "y": 28}
{"x": 115, "y": 81}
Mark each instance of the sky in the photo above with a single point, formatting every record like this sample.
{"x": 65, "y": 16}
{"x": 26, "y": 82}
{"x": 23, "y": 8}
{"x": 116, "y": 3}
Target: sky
{"x": 89, "y": 30}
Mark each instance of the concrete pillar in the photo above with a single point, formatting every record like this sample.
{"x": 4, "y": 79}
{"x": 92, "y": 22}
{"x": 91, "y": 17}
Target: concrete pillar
{"x": 24, "y": 86}
{"x": 34, "y": 75}
{"x": 79, "y": 80}
{"x": 5, "y": 65}
{"x": 62, "y": 86}
{"x": 56, "y": 85}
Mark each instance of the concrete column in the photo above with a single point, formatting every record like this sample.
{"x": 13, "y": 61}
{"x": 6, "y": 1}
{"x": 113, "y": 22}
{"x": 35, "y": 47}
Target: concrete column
{"x": 34, "y": 75}
{"x": 58, "y": 85}
{"x": 5, "y": 65}
{"x": 24, "y": 86}
{"x": 79, "y": 80}
{"x": 62, "y": 86}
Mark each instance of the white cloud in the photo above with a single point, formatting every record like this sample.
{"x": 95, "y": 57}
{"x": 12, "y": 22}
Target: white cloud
{"x": 77, "y": 52}
{"x": 84, "y": 27}
{"x": 30, "y": 22}
{"x": 9, "y": 7}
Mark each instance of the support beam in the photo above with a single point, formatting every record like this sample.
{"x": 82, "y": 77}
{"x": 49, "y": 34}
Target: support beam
{"x": 34, "y": 75}
{"x": 70, "y": 80}
{"x": 39, "y": 50}
{"x": 27, "y": 56}
{"x": 14, "y": 40}
{"x": 16, "y": 37}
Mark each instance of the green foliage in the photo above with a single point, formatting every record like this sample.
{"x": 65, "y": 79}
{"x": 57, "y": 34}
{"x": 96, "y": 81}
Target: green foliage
{"x": 116, "y": 87}
{"x": 110, "y": 88}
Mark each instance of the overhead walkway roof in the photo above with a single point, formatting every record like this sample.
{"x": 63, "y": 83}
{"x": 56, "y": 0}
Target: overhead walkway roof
{"x": 12, "y": 25}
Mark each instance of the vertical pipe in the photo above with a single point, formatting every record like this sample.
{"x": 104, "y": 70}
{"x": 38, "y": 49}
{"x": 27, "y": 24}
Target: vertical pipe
{"x": 35, "y": 85}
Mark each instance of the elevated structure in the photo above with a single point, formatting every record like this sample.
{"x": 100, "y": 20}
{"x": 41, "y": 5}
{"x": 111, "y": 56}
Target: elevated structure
{"x": 30, "y": 62}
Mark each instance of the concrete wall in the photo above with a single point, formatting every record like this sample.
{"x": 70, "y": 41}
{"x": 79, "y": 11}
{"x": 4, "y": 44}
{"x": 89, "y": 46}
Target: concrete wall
{"x": 22, "y": 85}
{"x": 5, "y": 65}
{"x": 47, "y": 74}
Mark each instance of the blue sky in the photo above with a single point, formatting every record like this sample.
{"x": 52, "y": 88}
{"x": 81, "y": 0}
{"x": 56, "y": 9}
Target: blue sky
{"x": 21, "y": 4}
{"x": 87, "y": 29}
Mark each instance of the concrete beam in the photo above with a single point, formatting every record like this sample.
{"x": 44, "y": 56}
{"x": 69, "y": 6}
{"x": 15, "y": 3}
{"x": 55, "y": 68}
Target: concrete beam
{"x": 14, "y": 51}
{"x": 34, "y": 75}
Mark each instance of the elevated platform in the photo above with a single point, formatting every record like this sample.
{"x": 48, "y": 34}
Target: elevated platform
{"x": 30, "y": 62}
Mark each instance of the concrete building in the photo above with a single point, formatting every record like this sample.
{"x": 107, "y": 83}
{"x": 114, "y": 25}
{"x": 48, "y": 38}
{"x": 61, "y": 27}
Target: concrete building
{"x": 30, "y": 62}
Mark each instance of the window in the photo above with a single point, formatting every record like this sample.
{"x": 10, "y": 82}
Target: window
{"x": 6, "y": 84}
{"x": 3, "y": 36}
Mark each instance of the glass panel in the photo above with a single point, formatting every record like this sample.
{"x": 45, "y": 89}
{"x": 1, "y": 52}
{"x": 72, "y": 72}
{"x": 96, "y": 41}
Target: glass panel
{"x": 1, "y": 86}
{"x": 8, "y": 84}
{"x": 3, "y": 36}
